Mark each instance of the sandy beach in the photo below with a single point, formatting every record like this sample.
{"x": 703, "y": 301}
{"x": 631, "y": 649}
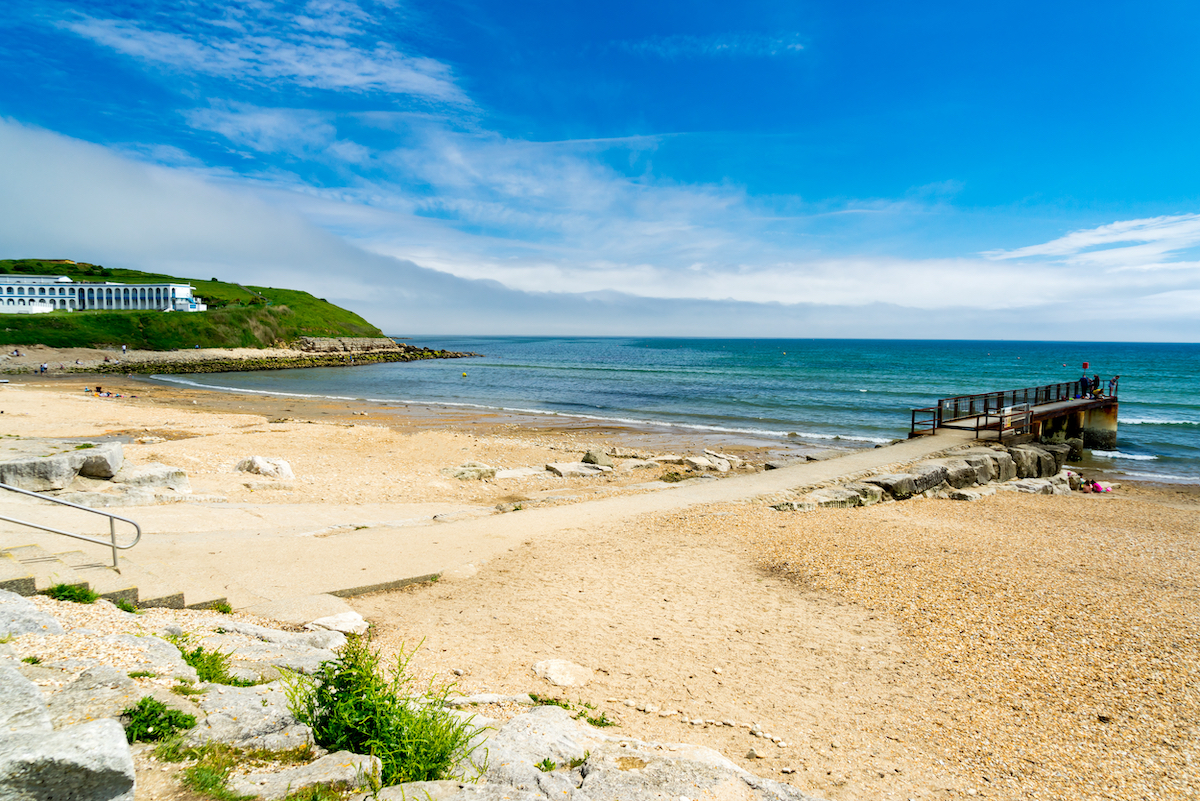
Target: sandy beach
{"x": 1016, "y": 647}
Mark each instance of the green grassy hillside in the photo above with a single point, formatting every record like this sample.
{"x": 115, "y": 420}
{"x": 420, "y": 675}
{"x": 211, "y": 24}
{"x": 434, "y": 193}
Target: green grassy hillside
{"x": 237, "y": 316}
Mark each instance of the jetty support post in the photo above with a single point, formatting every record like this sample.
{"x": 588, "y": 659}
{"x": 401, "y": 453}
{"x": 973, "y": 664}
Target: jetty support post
{"x": 1100, "y": 427}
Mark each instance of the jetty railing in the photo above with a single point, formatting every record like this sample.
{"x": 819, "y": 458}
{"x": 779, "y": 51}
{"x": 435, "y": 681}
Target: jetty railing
{"x": 989, "y": 404}
{"x": 112, "y": 523}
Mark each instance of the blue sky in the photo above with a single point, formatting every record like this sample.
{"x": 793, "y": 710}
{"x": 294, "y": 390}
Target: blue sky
{"x": 1015, "y": 170}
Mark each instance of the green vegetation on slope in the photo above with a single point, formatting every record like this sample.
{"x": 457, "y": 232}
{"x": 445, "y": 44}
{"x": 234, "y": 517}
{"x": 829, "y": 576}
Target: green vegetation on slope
{"x": 238, "y": 316}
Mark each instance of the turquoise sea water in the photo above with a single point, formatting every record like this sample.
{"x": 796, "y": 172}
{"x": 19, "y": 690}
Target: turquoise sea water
{"x": 860, "y": 391}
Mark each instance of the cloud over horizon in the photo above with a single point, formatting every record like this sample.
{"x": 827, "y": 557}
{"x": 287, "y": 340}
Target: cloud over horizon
{"x": 128, "y": 213}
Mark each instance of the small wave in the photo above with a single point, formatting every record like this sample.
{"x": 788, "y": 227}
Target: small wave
{"x": 633, "y": 421}
{"x": 1159, "y": 476}
{"x": 1148, "y": 421}
{"x": 1118, "y": 455}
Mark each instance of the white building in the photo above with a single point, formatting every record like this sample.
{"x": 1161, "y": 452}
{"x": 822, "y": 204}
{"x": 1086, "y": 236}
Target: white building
{"x": 25, "y": 293}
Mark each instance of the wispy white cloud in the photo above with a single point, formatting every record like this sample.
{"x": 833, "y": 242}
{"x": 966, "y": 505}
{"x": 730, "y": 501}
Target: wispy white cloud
{"x": 1126, "y": 245}
{"x": 331, "y": 46}
{"x": 716, "y": 45}
{"x": 266, "y": 130}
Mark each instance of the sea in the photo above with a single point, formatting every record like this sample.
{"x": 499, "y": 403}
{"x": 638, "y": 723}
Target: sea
{"x": 847, "y": 393}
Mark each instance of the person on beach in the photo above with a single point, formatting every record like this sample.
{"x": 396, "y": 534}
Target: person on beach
{"x": 1084, "y": 385}
{"x": 1096, "y": 391}
{"x": 124, "y": 348}
{"x": 1112, "y": 386}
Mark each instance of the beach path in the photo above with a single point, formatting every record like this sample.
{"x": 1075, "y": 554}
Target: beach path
{"x": 256, "y": 553}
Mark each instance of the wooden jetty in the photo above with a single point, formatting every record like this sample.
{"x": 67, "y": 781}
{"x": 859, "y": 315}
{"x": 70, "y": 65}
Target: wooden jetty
{"x": 1052, "y": 411}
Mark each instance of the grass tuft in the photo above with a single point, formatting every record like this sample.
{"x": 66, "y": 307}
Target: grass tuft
{"x": 152, "y": 720}
{"x": 351, "y": 705}
{"x": 125, "y": 605}
{"x": 211, "y": 665}
{"x": 32, "y": 660}
{"x": 546, "y": 765}
{"x": 213, "y": 762}
{"x": 223, "y": 607}
{"x": 76, "y": 593}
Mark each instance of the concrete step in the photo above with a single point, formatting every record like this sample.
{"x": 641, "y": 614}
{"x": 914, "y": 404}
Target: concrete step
{"x": 100, "y": 575}
{"x": 165, "y": 586}
{"x": 14, "y": 576}
{"x": 47, "y": 570}
{"x": 149, "y": 590}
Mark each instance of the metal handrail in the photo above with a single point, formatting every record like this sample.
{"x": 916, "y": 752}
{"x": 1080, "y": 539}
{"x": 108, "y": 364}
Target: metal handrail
{"x": 112, "y": 523}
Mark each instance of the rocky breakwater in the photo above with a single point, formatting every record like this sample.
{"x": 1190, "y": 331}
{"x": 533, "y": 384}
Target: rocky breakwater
{"x": 306, "y": 352}
{"x": 960, "y": 474}
{"x": 71, "y": 676}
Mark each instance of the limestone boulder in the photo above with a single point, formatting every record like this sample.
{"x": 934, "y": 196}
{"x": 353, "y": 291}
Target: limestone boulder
{"x": 1032, "y": 486}
{"x": 342, "y": 770}
{"x": 41, "y": 474}
{"x": 424, "y": 791}
{"x": 834, "y": 498}
{"x": 611, "y": 769}
{"x": 1035, "y": 460}
{"x": 794, "y": 506}
{"x": 779, "y": 464}
{"x": 700, "y": 463}
{"x": 102, "y": 461}
{"x": 927, "y": 476}
{"x": 984, "y": 466}
{"x": 345, "y": 622}
{"x": 471, "y": 471}
{"x": 155, "y": 655}
{"x": 959, "y": 473}
{"x": 20, "y": 616}
{"x": 270, "y": 467}
{"x": 1006, "y": 467}
{"x": 1025, "y": 460}
{"x": 103, "y": 691}
{"x": 22, "y": 705}
{"x": 897, "y": 485}
{"x": 734, "y": 461}
{"x": 1076, "y": 446}
{"x": 249, "y": 717}
{"x": 576, "y": 469}
{"x": 597, "y": 457}
{"x": 868, "y": 494}
{"x": 154, "y": 475}
{"x": 1061, "y": 453}
{"x": 319, "y": 639}
{"x": 90, "y": 762}
{"x": 292, "y": 655}
{"x": 562, "y": 673}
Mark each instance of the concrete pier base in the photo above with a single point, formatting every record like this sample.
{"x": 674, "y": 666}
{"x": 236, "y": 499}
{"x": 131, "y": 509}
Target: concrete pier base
{"x": 1099, "y": 428}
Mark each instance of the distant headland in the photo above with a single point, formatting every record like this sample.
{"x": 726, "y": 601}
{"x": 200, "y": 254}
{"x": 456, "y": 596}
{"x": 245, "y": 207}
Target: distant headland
{"x": 61, "y": 305}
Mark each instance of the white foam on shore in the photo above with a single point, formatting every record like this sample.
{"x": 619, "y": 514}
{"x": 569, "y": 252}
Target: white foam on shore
{"x": 759, "y": 432}
{"x": 1147, "y": 421}
{"x": 1119, "y": 455}
{"x": 1160, "y": 476}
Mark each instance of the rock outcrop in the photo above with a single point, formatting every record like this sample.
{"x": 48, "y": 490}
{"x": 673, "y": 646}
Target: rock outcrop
{"x": 267, "y": 466}
{"x": 89, "y": 761}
